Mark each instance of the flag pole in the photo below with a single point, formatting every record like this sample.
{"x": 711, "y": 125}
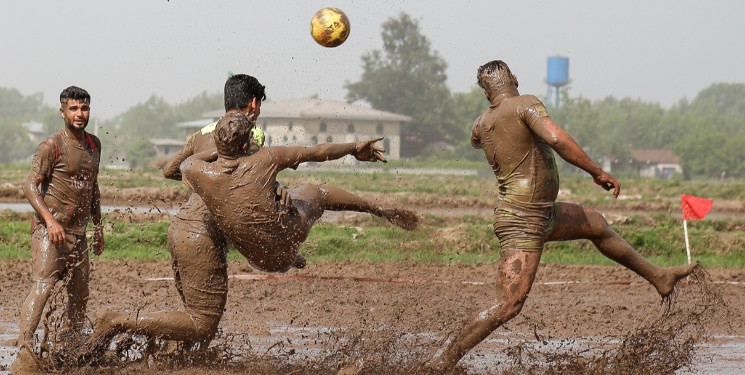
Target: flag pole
{"x": 688, "y": 247}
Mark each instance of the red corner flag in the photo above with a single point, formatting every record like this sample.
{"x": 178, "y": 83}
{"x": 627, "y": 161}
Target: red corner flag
{"x": 695, "y": 208}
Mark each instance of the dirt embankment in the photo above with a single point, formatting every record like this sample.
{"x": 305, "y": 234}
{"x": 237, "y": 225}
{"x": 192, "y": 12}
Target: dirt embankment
{"x": 164, "y": 198}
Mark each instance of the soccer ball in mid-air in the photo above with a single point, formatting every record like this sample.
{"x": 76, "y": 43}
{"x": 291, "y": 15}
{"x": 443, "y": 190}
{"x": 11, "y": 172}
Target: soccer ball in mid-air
{"x": 329, "y": 27}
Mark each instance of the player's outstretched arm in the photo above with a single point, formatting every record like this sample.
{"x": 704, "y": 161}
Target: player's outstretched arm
{"x": 569, "y": 150}
{"x": 365, "y": 150}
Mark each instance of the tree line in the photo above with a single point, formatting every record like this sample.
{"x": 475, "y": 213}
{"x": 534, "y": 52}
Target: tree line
{"x": 408, "y": 77}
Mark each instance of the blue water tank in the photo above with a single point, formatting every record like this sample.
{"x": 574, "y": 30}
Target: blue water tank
{"x": 558, "y": 71}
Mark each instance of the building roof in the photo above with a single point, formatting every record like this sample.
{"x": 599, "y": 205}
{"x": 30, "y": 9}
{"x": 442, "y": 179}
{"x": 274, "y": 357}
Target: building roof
{"x": 34, "y": 126}
{"x": 167, "y": 142}
{"x": 660, "y": 156}
{"x": 202, "y": 122}
{"x": 313, "y": 108}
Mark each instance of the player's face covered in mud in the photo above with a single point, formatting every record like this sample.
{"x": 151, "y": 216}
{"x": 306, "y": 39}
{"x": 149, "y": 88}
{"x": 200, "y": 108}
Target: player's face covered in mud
{"x": 76, "y": 113}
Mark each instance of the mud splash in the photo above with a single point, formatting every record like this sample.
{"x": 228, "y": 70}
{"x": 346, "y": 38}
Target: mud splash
{"x": 664, "y": 345}
{"x": 666, "y": 342}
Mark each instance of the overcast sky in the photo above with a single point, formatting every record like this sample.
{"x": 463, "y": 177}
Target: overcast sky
{"x": 124, "y": 51}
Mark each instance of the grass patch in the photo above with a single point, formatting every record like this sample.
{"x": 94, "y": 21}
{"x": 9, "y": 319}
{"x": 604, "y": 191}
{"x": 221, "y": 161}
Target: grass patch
{"x": 443, "y": 240}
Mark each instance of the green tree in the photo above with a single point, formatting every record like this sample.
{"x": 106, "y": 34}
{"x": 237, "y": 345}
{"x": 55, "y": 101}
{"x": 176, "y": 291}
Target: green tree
{"x": 466, "y": 108}
{"x": 13, "y": 104}
{"x": 407, "y": 77}
{"x": 15, "y": 142}
{"x": 712, "y": 128}
{"x": 140, "y": 153}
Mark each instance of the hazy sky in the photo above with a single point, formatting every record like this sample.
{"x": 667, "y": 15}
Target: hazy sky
{"x": 124, "y": 51}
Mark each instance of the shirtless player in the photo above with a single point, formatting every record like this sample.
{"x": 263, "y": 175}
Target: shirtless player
{"x": 517, "y": 136}
{"x": 198, "y": 248}
{"x": 237, "y": 189}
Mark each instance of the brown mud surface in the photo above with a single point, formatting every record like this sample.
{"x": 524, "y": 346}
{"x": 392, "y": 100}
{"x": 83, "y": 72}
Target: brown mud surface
{"x": 164, "y": 198}
{"x": 386, "y": 318}
{"x": 368, "y": 316}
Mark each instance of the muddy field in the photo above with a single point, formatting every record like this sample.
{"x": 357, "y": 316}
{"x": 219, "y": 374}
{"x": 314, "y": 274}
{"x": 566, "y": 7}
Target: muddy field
{"x": 389, "y": 318}
{"x": 369, "y": 316}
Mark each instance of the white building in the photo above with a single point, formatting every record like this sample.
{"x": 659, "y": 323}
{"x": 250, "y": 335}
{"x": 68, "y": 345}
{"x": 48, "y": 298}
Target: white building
{"x": 655, "y": 163}
{"x": 310, "y": 121}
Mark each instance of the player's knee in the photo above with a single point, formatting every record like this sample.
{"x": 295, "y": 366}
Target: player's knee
{"x": 204, "y": 332}
{"x": 205, "y": 326}
{"x": 513, "y": 307}
{"x": 598, "y": 225}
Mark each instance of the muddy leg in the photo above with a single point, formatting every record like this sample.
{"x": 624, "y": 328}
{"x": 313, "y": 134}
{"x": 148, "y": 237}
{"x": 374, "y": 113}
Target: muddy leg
{"x": 335, "y": 199}
{"x": 576, "y": 222}
{"x": 47, "y": 268}
{"x": 77, "y": 288}
{"x": 171, "y": 325}
{"x": 515, "y": 278}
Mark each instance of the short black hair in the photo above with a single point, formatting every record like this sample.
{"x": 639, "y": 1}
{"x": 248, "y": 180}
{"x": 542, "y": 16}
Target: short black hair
{"x": 240, "y": 89}
{"x": 232, "y": 133}
{"x": 75, "y": 93}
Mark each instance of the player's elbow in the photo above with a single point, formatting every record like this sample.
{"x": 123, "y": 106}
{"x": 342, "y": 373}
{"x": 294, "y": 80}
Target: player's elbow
{"x": 171, "y": 173}
{"x": 27, "y": 190}
{"x": 475, "y": 143}
{"x": 30, "y": 189}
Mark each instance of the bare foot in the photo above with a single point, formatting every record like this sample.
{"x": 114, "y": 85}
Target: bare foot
{"x": 104, "y": 329}
{"x": 402, "y": 218}
{"x": 666, "y": 284}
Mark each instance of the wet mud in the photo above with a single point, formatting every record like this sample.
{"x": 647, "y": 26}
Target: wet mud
{"x": 352, "y": 318}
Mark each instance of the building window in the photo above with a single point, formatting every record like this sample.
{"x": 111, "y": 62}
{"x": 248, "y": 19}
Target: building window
{"x": 314, "y": 140}
{"x": 323, "y": 127}
{"x": 263, "y": 126}
{"x": 379, "y": 129}
{"x": 294, "y": 138}
{"x": 329, "y": 139}
{"x": 289, "y": 127}
{"x": 350, "y": 128}
{"x": 284, "y": 139}
{"x": 269, "y": 141}
{"x": 387, "y": 145}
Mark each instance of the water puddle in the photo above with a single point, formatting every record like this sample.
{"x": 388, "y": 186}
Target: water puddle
{"x": 721, "y": 355}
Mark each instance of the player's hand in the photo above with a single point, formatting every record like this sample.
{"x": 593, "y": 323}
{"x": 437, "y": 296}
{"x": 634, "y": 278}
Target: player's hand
{"x": 55, "y": 232}
{"x": 98, "y": 242}
{"x": 282, "y": 197}
{"x": 367, "y": 150}
{"x": 608, "y": 182}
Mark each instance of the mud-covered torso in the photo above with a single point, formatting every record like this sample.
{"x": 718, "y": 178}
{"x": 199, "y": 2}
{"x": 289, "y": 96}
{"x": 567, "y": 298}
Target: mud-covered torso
{"x": 69, "y": 171}
{"x": 523, "y": 163}
{"x": 242, "y": 202}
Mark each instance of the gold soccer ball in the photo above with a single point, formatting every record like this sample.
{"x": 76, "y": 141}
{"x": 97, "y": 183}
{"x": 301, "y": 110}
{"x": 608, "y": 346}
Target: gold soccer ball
{"x": 329, "y": 27}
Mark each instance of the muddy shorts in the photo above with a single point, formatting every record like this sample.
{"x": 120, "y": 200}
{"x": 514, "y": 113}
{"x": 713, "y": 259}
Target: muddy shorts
{"x": 52, "y": 262}
{"x": 523, "y": 226}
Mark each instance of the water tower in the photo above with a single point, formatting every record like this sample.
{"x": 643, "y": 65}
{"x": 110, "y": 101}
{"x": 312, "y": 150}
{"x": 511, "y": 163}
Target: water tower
{"x": 557, "y": 76}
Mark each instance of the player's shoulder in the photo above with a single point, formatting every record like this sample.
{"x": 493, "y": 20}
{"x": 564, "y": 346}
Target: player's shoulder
{"x": 529, "y": 99}
{"x": 52, "y": 142}
{"x": 530, "y": 105}
{"x": 208, "y": 129}
{"x": 94, "y": 140}
{"x": 201, "y": 142}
